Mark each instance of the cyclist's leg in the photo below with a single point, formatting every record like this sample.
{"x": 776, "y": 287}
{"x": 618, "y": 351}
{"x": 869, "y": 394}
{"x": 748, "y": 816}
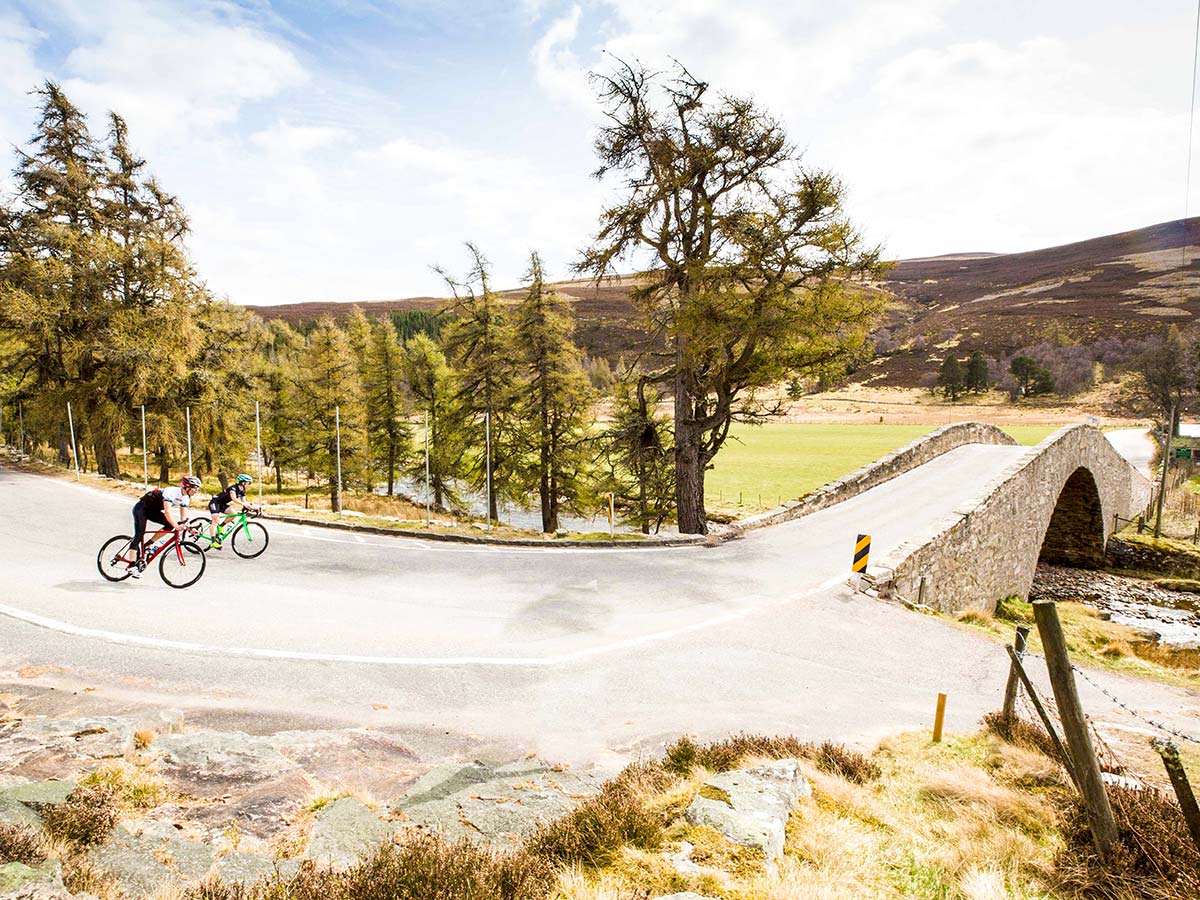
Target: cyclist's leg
{"x": 158, "y": 519}
{"x": 139, "y": 527}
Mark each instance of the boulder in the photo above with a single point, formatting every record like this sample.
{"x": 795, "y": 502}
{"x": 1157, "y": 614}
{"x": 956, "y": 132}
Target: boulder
{"x": 493, "y": 802}
{"x": 247, "y": 868}
{"x": 751, "y": 806}
{"x": 16, "y": 875}
{"x": 344, "y": 830}
{"x": 37, "y": 795}
{"x": 143, "y": 855}
{"x": 37, "y": 890}
{"x": 13, "y": 812}
{"x": 210, "y": 760}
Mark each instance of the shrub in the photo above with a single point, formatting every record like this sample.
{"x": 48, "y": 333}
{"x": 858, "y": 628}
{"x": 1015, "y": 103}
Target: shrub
{"x": 1154, "y": 856}
{"x": 1023, "y": 733}
{"x": 142, "y": 739}
{"x": 19, "y": 843}
{"x": 595, "y": 831}
{"x": 86, "y": 818}
{"x": 425, "y": 867}
{"x": 720, "y": 756}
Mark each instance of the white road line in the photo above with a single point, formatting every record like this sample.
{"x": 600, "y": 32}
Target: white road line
{"x": 132, "y": 640}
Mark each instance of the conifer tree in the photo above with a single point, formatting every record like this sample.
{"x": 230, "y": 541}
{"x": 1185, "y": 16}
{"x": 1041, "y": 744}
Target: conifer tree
{"x": 950, "y": 377}
{"x": 553, "y": 398}
{"x": 327, "y": 390}
{"x": 750, "y": 258}
{"x": 977, "y": 372}
{"x": 389, "y": 433}
{"x": 637, "y": 450}
{"x": 477, "y": 349}
{"x": 430, "y": 383}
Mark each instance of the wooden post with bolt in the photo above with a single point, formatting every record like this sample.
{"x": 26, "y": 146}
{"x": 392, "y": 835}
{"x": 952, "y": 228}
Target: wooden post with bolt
{"x": 938, "y": 718}
{"x": 1011, "y": 687}
{"x": 1075, "y": 727}
{"x": 1183, "y": 788}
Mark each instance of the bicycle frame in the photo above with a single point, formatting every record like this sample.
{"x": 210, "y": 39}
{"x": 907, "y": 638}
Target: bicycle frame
{"x": 171, "y": 541}
{"x": 230, "y": 523}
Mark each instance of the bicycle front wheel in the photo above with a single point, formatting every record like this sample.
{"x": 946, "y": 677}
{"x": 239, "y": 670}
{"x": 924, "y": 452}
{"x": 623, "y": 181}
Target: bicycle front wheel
{"x": 181, "y": 566}
{"x": 201, "y": 524}
{"x": 116, "y": 558}
{"x": 250, "y": 540}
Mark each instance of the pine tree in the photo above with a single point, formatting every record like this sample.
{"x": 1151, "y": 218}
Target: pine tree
{"x": 554, "y": 398}
{"x": 977, "y": 373}
{"x": 389, "y": 434}
{"x": 950, "y": 377}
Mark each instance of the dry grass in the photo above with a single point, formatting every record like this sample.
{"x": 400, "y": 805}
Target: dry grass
{"x": 143, "y": 738}
{"x": 975, "y": 617}
{"x": 685, "y": 755}
{"x": 132, "y": 786}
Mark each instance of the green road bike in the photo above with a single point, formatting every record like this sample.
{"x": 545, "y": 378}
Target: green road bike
{"x": 249, "y": 539}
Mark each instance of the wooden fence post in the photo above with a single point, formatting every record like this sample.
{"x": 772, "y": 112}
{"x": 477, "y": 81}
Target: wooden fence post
{"x": 1075, "y": 727}
{"x": 1010, "y": 689}
{"x": 1046, "y": 723}
{"x": 938, "y": 718}
{"x": 1179, "y": 780}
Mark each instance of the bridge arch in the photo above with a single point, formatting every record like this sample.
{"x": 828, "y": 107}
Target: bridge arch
{"x": 1056, "y": 503}
{"x": 1075, "y": 534}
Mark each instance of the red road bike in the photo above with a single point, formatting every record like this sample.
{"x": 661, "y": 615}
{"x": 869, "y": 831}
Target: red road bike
{"x": 180, "y": 562}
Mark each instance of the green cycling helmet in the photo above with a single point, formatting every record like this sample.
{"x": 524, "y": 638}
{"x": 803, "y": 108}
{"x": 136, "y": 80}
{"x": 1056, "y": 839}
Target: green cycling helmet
{"x": 244, "y": 479}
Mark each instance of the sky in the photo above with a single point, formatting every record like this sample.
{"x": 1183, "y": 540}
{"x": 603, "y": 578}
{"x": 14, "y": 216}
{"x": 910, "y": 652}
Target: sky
{"x": 339, "y": 149}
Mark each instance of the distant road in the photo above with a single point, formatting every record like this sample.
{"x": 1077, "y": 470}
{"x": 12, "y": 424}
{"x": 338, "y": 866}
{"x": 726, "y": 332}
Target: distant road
{"x": 567, "y": 651}
{"x": 1136, "y": 446}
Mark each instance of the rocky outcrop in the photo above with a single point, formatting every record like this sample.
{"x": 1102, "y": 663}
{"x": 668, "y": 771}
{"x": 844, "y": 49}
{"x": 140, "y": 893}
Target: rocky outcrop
{"x": 491, "y": 802}
{"x": 751, "y": 806}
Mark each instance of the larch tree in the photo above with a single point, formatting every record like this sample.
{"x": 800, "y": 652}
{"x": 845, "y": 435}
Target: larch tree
{"x": 389, "y": 434}
{"x": 553, "y": 399}
{"x": 327, "y": 393}
{"x": 431, "y": 384}
{"x": 475, "y": 346}
{"x": 747, "y": 258}
{"x": 637, "y": 449}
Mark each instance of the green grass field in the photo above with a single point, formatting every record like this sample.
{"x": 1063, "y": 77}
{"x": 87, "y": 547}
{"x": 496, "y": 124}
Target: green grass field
{"x": 759, "y": 467}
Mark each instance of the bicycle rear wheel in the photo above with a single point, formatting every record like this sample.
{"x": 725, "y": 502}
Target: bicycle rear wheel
{"x": 185, "y": 573}
{"x": 116, "y": 558}
{"x": 250, "y": 540}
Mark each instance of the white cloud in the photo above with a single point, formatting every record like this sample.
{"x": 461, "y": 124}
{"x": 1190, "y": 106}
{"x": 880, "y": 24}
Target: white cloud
{"x": 557, "y": 68}
{"x": 170, "y": 69}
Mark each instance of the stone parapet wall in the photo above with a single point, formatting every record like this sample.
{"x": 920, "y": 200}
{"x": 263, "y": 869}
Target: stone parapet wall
{"x": 989, "y": 547}
{"x": 909, "y": 457}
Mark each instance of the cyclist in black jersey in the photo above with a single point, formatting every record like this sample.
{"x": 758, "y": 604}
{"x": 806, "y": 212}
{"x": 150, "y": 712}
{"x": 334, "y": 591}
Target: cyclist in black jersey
{"x": 155, "y": 506}
{"x": 219, "y": 504}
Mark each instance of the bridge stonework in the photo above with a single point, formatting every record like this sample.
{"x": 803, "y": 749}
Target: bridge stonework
{"x": 1056, "y": 503}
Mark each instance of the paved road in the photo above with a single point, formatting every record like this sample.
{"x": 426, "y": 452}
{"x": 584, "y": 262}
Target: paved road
{"x": 571, "y": 652}
{"x": 1136, "y": 446}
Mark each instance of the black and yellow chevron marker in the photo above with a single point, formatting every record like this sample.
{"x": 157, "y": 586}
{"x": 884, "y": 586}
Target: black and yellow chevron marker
{"x": 862, "y": 549}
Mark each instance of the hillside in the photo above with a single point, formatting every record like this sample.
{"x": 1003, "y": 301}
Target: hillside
{"x": 1123, "y": 285}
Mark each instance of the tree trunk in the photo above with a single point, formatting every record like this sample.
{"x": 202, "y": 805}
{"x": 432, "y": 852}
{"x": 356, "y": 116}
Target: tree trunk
{"x": 689, "y": 468}
{"x": 391, "y": 469}
{"x": 64, "y": 445}
{"x": 164, "y": 466}
{"x": 106, "y": 457}
{"x": 278, "y": 479}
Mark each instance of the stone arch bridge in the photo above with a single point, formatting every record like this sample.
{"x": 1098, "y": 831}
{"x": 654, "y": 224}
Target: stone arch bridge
{"x": 1058, "y": 503}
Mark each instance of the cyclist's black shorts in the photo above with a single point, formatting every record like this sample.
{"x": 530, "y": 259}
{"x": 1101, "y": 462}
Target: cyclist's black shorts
{"x": 215, "y": 506}
{"x": 144, "y": 512}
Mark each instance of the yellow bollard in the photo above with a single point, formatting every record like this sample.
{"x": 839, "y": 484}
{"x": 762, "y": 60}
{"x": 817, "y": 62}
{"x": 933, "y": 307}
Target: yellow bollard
{"x": 938, "y": 718}
{"x": 862, "y": 550}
